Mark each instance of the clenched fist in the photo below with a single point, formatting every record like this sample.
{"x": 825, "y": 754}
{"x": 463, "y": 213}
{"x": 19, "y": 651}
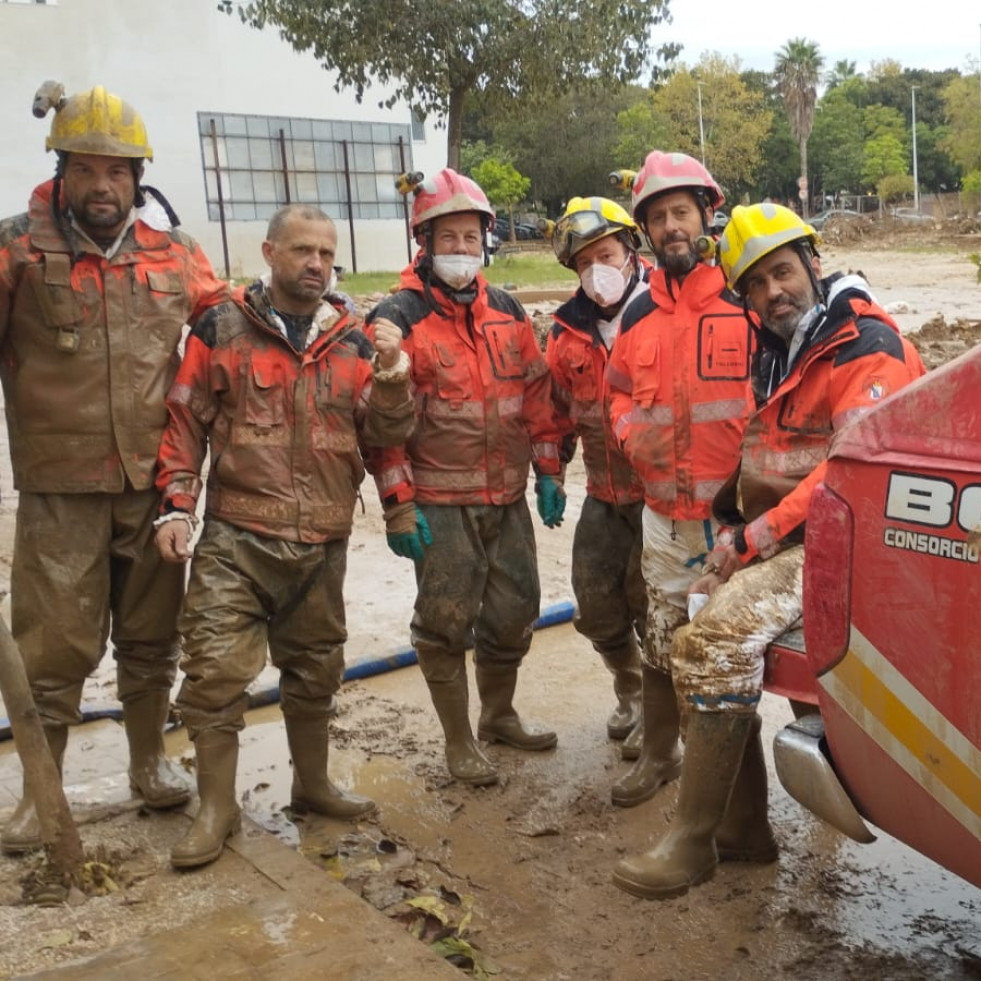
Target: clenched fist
{"x": 387, "y": 338}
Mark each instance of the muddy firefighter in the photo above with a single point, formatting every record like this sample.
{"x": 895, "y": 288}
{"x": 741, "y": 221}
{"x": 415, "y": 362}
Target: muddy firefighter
{"x": 96, "y": 284}
{"x": 455, "y": 498}
{"x": 288, "y": 394}
{"x": 827, "y": 353}
{"x": 599, "y": 241}
{"x": 679, "y": 399}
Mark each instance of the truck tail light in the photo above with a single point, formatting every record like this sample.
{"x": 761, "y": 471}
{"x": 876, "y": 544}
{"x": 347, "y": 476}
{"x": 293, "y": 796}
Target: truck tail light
{"x": 828, "y": 546}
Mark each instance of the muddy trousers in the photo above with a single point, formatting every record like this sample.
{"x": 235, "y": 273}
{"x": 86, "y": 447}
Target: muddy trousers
{"x": 86, "y": 571}
{"x": 478, "y": 583}
{"x": 611, "y": 599}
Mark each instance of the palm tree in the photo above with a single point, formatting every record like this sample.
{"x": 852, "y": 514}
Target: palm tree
{"x": 842, "y": 72}
{"x": 797, "y": 72}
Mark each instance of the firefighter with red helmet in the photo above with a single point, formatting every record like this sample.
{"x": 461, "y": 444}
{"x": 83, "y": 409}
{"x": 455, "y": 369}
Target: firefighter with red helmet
{"x": 599, "y": 241}
{"x": 827, "y": 353}
{"x": 96, "y": 284}
{"x": 455, "y": 496}
{"x": 679, "y": 398}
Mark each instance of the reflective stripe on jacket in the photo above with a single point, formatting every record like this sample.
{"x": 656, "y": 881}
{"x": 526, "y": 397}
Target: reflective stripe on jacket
{"x": 483, "y": 405}
{"x": 679, "y": 380}
{"x": 854, "y": 357}
{"x": 286, "y": 428}
{"x": 88, "y": 347}
{"x": 577, "y": 357}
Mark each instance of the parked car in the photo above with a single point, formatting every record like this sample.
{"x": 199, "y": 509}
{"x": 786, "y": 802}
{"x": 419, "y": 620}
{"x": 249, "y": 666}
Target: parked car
{"x": 523, "y": 231}
{"x": 909, "y": 216}
{"x": 719, "y": 220}
{"x": 892, "y": 586}
{"x": 818, "y": 220}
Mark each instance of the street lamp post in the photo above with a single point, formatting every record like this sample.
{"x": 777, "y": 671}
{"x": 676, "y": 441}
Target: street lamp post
{"x": 916, "y": 176}
{"x": 701, "y": 128}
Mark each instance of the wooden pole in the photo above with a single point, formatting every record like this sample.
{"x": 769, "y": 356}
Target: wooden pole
{"x": 58, "y": 832}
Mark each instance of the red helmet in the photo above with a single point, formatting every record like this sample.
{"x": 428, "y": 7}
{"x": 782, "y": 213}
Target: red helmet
{"x": 447, "y": 193}
{"x": 672, "y": 172}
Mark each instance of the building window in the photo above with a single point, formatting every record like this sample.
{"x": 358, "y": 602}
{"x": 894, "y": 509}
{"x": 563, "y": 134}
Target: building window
{"x": 418, "y": 127}
{"x": 346, "y": 168}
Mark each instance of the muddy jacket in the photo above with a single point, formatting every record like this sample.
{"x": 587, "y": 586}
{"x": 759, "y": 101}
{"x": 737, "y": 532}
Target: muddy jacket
{"x": 577, "y": 358}
{"x": 679, "y": 379}
{"x": 483, "y": 404}
{"x": 88, "y": 347}
{"x": 284, "y": 425}
{"x": 853, "y": 356}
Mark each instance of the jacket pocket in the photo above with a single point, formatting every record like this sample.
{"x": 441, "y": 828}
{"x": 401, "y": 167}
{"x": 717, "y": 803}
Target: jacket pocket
{"x": 647, "y": 370}
{"x": 265, "y": 398}
{"x": 582, "y": 376}
{"x": 452, "y": 373}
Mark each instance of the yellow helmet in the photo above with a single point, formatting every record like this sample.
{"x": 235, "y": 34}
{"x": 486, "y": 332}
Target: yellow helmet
{"x": 754, "y": 232}
{"x": 587, "y": 220}
{"x": 97, "y": 122}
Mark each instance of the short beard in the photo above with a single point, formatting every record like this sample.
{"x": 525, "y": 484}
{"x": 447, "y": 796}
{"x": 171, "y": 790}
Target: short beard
{"x": 678, "y": 264}
{"x": 103, "y": 219}
{"x": 786, "y": 326}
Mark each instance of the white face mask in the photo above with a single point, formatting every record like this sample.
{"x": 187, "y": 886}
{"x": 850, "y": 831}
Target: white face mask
{"x": 603, "y": 284}
{"x": 457, "y": 271}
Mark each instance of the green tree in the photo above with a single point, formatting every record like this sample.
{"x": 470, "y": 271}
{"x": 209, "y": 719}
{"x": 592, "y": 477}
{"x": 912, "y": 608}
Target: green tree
{"x": 843, "y": 71}
{"x": 883, "y": 156}
{"x": 836, "y": 143}
{"x": 797, "y": 71}
{"x": 439, "y": 52}
{"x": 962, "y": 141}
{"x": 502, "y": 184}
{"x": 734, "y": 120}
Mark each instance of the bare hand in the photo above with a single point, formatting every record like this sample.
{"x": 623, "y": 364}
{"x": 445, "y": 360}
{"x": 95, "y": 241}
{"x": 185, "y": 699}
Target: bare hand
{"x": 387, "y": 338}
{"x": 172, "y": 540}
{"x": 707, "y": 583}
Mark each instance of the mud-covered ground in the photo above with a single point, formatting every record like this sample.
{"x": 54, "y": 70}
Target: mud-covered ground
{"x": 522, "y": 870}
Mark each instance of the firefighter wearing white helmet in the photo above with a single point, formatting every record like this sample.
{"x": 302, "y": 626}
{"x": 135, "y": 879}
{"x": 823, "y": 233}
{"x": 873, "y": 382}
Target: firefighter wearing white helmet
{"x": 827, "y": 353}
{"x": 679, "y": 398}
{"x": 455, "y": 495}
{"x": 599, "y": 240}
{"x": 96, "y": 285}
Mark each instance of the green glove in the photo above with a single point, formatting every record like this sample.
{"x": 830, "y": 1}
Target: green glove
{"x": 407, "y": 531}
{"x": 551, "y": 500}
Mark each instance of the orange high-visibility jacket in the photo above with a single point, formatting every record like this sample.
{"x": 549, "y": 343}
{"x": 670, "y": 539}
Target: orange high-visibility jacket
{"x": 287, "y": 428}
{"x": 854, "y": 356}
{"x": 88, "y": 347}
{"x": 483, "y": 405}
{"x": 680, "y": 394}
{"x": 577, "y": 358}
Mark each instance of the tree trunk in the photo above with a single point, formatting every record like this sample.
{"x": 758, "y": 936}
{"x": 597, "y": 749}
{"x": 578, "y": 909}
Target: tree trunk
{"x": 513, "y": 236}
{"x": 58, "y": 831}
{"x": 454, "y": 126}
{"x": 806, "y": 199}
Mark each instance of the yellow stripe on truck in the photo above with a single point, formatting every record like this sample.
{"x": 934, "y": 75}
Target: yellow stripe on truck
{"x": 909, "y": 728}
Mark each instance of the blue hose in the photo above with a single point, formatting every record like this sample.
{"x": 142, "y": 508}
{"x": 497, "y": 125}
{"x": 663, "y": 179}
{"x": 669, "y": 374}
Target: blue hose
{"x": 364, "y": 668}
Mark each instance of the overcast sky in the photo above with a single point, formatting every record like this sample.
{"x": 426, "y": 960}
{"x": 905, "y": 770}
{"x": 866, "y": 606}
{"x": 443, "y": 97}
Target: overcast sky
{"x": 933, "y": 35}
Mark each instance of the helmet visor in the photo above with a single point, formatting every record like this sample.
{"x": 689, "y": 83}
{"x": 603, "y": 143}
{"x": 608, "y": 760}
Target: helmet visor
{"x": 574, "y": 232}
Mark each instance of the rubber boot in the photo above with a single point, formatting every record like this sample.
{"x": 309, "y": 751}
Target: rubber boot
{"x": 745, "y": 834}
{"x": 625, "y": 668}
{"x": 155, "y": 778}
{"x": 22, "y": 833}
{"x": 451, "y": 699}
{"x": 309, "y": 742}
{"x": 660, "y": 756}
{"x": 687, "y": 854}
{"x": 219, "y": 816}
{"x": 499, "y": 722}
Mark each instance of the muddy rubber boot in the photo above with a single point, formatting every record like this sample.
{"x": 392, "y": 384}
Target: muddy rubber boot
{"x": 745, "y": 834}
{"x": 155, "y": 778}
{"x": 22, "y": 833}
{"x": 624, "y": 665}
{"x": 499, "y": 722}
{"x": 313, "y": 790}
{"x": 465, "y": 761}
{"x": 218, "y": 817}
{"x": 660, "y": 756}
{"x": 687, "y": 854}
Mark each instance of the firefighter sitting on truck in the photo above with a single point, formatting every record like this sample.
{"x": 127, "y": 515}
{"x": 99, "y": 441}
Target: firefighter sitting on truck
{"x": 827, "y": 352}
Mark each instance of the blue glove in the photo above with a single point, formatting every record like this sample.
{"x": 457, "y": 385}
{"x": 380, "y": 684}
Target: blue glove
{"x": 551, "y": 500}
{"x": 407, "y": 531}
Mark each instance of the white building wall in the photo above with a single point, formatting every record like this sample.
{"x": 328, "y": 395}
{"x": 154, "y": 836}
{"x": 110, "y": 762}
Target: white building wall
{"x": 172, "y": 59}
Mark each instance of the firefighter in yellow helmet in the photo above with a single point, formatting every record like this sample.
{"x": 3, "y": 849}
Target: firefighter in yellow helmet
{"x": 827, "y": 352}
{"x": 96, "y": 284}
{"x": 599, "y": 241}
